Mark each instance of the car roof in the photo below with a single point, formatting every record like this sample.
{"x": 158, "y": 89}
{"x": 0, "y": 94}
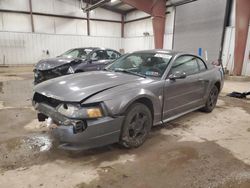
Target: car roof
{"x": 95, "y": 48}
{"x": 172, "y": 52}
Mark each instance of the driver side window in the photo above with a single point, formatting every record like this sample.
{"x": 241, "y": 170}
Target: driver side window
{"x": 99, "y": 55}
{"x": 187, "y": 64}
{"x": 112, "y": 54}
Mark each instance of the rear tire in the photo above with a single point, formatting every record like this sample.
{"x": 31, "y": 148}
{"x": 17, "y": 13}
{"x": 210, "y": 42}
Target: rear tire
{"x": 211, "y": 100}
{"x": 136, "y": 126}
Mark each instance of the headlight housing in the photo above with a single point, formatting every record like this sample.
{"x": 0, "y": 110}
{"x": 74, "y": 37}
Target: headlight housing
{"x": 78, "y": 112}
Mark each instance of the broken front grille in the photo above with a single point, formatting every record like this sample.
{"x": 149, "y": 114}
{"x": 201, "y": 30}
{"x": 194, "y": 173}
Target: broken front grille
{"x": 39, "y": 98}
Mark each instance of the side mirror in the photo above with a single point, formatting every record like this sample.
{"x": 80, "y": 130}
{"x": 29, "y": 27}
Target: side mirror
{"x": 177, "y": 75}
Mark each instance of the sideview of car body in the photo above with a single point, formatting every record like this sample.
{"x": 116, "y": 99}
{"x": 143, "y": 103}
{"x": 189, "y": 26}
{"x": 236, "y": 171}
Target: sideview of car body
{"x": 122, "y": 102}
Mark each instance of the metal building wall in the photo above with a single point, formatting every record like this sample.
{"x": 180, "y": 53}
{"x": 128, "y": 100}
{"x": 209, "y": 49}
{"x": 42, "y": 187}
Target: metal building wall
{"x": 18, "y": 45}
{"x": 131, "y": 44}
{"x": 28, "y": 48}
{"x": 133, "y": 32}
{"x": 134, "y": 38}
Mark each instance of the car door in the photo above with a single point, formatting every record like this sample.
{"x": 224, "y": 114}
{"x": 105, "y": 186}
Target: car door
{"x": 97, "y": 60}
{"x": 181, "y": 95}
{"x": 204, "y": 77}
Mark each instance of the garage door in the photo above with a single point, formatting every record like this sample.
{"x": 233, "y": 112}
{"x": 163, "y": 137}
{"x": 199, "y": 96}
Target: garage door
{"x": 199, "y": 25}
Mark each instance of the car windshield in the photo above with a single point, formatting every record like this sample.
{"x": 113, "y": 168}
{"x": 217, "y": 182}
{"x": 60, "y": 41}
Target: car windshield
{"x": 77, "y": 53}
{"x": 145, "y": 64}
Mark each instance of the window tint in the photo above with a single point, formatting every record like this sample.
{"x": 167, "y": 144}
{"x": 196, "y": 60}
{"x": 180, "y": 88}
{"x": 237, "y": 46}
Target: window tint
{"x": 187, "y": 64}
{"x": 202, "y": 66}
{"x": 112, "y": 54}
{"x": 99, "y": 55}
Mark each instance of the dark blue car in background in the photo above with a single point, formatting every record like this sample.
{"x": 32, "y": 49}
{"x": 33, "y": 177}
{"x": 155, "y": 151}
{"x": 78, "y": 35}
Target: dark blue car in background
{"x": 74, "y": 61}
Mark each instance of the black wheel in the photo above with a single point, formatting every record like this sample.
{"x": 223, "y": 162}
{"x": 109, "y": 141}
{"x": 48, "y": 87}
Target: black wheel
{"x": 211, "y": 100}
{"x": 136, "y": 126}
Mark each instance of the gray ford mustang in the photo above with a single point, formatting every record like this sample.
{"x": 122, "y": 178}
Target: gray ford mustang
{"x": 122, "y": 102}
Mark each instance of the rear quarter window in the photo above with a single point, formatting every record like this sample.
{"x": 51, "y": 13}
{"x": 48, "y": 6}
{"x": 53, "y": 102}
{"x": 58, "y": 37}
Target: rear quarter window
{"x": 201, "y": 64}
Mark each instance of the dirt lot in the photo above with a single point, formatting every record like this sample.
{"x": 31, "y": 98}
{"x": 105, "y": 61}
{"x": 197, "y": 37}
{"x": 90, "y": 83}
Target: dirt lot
{"x": 197, "y": 150}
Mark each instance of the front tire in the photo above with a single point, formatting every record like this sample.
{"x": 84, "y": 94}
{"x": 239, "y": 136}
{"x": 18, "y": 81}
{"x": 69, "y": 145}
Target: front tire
{"x": 211, "y": 100}
{"x": 136, "y": 126}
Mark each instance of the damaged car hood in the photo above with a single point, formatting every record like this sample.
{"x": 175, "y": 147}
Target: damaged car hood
{"x": 77, "y": 87}
{"x": 51, "y": 63}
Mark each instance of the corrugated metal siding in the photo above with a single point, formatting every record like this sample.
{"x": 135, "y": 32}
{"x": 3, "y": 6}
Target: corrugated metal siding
{"x": 15, "y": 4}
{"x": 101, "y": 13}
{"x": 134, "y": 39}
{"x": 135, "y": 15}
{"x": 28, "y": 48}
{"x": 98, "y": 28}
{"x": 228, "y": 49}
{"x": 135, "y": 29}
{"x": 168, "y": 40}
{"x": 54, "y": 25}
{"x": 15, "y": 22}
{"x": 131, "y": 44}
{"x": 199, "y": 25}
{"x": 246, "y": 65}
{"x": 61, "y": 7}
{"x": 228, "y": 52}
{"x": 138, "y": 43}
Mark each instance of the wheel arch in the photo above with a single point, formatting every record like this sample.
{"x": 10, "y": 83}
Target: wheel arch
{"x": 144, "y": 100}
{"x": 218, "y": 85}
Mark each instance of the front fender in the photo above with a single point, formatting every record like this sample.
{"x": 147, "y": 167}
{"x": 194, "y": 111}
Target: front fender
{"x": 118, "y": 103}
{"x": 80, "y": 66}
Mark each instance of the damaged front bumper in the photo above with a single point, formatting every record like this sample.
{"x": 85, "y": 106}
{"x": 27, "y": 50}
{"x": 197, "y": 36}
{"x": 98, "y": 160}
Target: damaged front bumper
{"x": 75, "y": 134}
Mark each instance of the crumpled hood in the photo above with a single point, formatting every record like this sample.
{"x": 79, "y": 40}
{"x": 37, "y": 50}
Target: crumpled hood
{"x": 47, "y": 64}
{"x": 77, "y": 87}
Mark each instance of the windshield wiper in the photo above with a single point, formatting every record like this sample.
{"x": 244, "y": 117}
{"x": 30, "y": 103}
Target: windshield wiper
{"x": 130, "y": 72}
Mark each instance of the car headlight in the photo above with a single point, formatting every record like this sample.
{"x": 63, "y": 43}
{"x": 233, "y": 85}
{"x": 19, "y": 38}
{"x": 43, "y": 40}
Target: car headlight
{"x": 72, "y": 111}
{"x": 94, "y": 112}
